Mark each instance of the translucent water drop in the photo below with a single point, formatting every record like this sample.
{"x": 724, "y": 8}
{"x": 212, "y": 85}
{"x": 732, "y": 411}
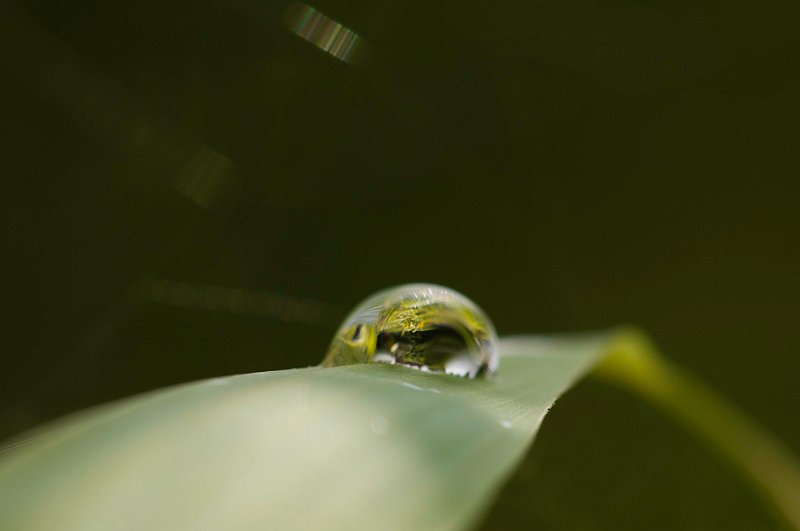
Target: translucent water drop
{"x": 424, "y": 326}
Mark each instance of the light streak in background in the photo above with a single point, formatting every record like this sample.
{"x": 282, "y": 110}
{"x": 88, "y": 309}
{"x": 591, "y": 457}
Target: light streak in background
{"x": 238, "y": 301}
{"x": 325, "y": 33}
{"x": 59, "y": 75}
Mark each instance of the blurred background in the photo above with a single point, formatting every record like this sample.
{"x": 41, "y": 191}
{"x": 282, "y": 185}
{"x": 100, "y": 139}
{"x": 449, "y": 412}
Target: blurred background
{"x": 193, "y": 189}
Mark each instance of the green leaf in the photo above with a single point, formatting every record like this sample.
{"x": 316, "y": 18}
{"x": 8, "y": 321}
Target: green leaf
{"x": 356, "y": 447}
{"x": 633, "y": 362}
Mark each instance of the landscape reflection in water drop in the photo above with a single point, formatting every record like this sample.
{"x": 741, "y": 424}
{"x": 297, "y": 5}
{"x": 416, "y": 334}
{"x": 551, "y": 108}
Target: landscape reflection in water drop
{"x": 423, "y": 326}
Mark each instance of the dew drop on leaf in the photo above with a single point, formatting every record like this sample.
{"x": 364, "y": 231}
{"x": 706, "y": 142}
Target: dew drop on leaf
{"x": 424, "y": 326}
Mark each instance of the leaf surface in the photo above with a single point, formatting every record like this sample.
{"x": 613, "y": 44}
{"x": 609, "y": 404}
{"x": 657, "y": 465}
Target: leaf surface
{"x": 357, "y": 447}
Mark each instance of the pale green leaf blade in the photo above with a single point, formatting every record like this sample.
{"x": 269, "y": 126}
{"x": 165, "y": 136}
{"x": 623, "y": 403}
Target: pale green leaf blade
{"x": 357, "y": 447}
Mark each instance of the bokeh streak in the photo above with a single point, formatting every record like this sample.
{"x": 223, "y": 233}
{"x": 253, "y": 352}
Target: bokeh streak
{"x": 238, "y": 301}
{"x": 325, "y": 33}
{"x": 55, "y": 72}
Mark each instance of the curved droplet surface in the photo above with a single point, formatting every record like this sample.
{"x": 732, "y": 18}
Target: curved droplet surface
{"x": 424, "y": 326}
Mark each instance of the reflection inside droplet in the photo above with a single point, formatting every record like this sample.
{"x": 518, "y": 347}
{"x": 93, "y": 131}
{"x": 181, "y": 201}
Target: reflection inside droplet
{"x": 424, "y": 326}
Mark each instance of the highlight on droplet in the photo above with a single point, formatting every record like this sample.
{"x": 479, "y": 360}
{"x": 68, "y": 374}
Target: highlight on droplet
{"x": 325, "y": 33}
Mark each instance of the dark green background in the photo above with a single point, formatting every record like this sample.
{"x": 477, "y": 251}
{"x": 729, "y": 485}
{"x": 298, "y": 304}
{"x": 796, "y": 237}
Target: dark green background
{"x": 568, "y": 164}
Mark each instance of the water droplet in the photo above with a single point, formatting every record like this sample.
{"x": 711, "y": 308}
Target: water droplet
{"x": 424, "y": 326}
